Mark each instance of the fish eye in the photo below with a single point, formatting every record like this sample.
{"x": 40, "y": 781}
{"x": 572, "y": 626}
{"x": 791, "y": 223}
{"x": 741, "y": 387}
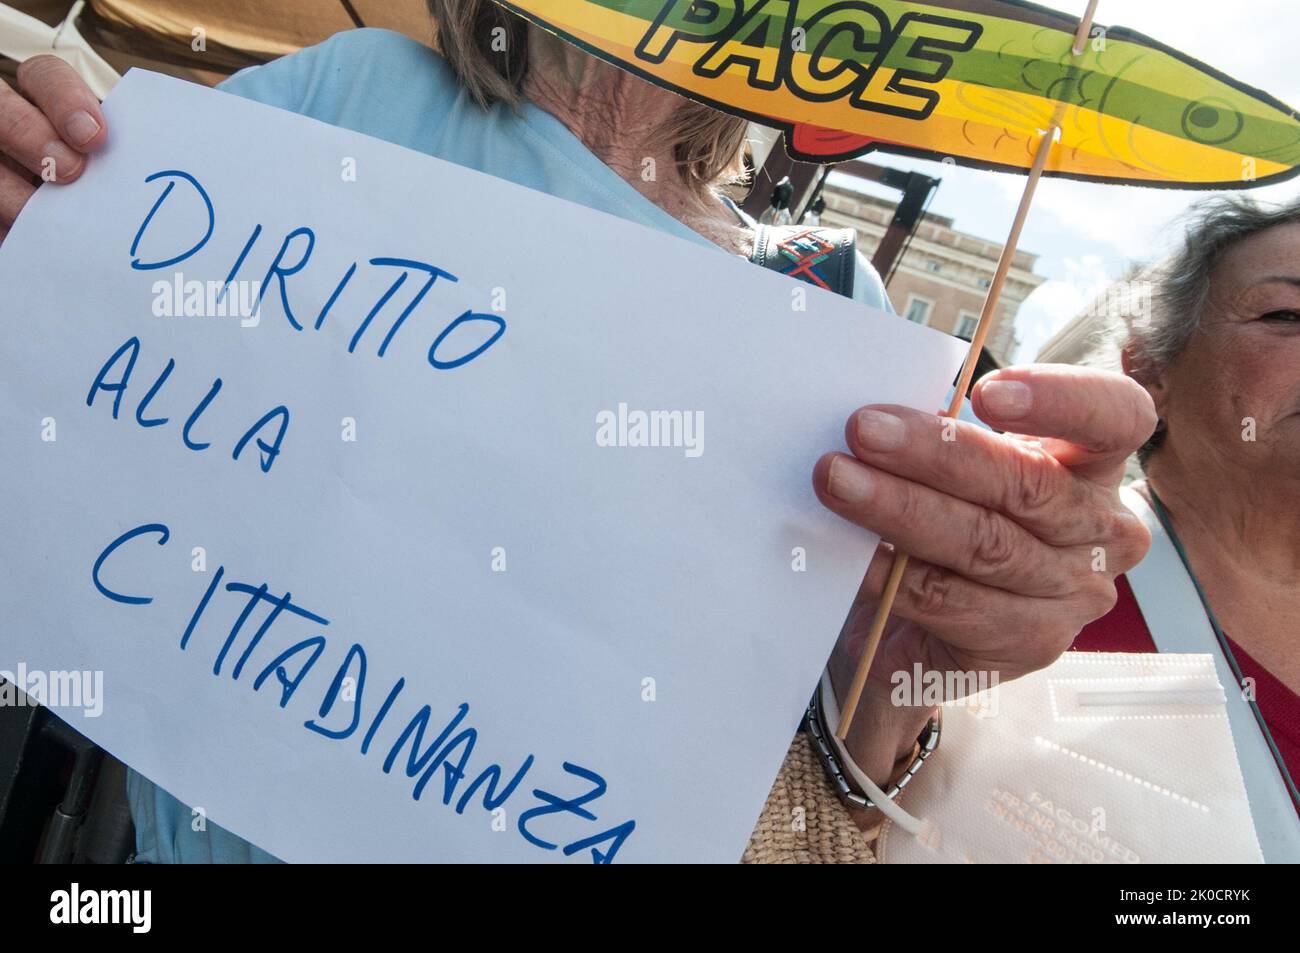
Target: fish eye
{"x": 1211, "y": 122}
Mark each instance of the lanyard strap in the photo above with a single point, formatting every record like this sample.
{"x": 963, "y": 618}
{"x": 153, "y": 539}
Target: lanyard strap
{"x": 1163, "y": 515}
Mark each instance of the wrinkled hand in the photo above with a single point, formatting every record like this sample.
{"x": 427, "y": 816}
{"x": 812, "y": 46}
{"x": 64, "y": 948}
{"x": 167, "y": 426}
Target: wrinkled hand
{"x": 46, "y": 133}
{"x": 1015, "y": 541}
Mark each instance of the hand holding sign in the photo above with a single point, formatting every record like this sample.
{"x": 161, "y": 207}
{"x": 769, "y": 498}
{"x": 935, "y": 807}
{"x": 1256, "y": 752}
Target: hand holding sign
{"x": 1015, "y": 540}
{"x": 46, "y": 135}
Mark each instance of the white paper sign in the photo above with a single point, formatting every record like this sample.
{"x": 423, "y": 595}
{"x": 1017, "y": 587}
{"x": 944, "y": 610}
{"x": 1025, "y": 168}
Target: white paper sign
{"x": 405, "y": 584}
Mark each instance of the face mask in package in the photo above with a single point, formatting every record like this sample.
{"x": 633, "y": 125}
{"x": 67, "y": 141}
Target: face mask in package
{"x": 1098, "y": 759}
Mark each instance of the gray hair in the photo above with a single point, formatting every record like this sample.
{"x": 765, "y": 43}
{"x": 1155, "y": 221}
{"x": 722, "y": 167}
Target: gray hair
{"x": 487, "y": 47}
{"x": 1155, "y": 321}
{"x": 1181, "y": 284}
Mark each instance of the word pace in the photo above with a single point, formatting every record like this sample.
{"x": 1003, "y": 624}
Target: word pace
{"x": 761, "y": 40}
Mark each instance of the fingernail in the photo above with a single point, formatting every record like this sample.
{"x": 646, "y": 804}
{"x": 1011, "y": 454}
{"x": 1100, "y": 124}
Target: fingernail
{"x": 1008, "y": 400}
{"x": 65, "y": 160}
{"x": 847, "y": 481}
{"x": 879, "y": 430}
{"x": 80, "y": 128}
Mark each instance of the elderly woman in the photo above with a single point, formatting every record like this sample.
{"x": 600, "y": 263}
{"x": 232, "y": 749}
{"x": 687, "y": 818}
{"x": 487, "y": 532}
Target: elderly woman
{"x": 1002, "y": 529}
{"x": 1218, "y": 348}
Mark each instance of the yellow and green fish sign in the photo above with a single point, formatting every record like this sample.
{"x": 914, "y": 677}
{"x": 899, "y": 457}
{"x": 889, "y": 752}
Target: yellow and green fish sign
{"x": 974, "y": 80}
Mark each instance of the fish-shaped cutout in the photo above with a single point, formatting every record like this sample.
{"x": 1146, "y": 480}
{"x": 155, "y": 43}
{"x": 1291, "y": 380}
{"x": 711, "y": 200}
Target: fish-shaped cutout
{"x": 975, "y": 81}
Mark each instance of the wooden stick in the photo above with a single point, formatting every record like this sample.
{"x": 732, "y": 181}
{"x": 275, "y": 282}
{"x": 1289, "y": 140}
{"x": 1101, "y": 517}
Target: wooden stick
{"x": 1085, "y": 28}
{"x": 850, "y": 706}
{"x": 963, "y": 383}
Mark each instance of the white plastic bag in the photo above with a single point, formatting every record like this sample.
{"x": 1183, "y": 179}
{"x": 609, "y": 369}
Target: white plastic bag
{"x": 1100, "y": 758}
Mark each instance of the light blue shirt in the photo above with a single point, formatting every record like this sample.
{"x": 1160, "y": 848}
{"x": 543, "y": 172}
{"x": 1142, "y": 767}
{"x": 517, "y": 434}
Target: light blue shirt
{"x": 388, "y": 86}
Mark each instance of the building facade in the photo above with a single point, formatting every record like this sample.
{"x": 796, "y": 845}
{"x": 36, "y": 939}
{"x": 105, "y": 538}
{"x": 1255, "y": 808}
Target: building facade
{"x": 944, "y": 274}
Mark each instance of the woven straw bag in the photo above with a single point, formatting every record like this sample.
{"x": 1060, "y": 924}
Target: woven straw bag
{"x": 803, "y": 822}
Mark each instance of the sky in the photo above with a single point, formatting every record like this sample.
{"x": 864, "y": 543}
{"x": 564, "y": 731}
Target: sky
{"x": 1086, "y": 234}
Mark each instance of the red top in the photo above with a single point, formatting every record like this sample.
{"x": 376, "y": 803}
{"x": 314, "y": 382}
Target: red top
{"x": 1124, "y": 630}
